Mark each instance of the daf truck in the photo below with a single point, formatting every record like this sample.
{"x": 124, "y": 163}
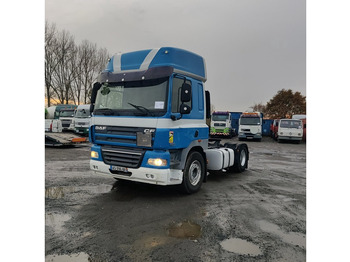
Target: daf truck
{"x": 250, "y": 126}
{"x": 149, "y": 121}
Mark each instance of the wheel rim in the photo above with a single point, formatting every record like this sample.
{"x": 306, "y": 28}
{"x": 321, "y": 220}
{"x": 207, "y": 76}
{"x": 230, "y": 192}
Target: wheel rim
{"x": 243, "y": 157}
{"x": 195, "y": 173}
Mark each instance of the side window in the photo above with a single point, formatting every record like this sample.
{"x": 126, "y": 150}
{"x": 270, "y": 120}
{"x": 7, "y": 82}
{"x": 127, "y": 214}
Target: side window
{"x": 176, "y": 95}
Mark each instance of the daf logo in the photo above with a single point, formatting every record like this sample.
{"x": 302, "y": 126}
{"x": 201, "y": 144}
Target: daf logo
{"x": 100, "y": 127}
{"x": 149, "y": 130}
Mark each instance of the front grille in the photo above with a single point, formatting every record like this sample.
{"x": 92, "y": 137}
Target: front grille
{"x": 219, "y": 124}
{"x": 66, "y": 123}
{"x": 120, "y": 134}
{"x": 120, "y": 156}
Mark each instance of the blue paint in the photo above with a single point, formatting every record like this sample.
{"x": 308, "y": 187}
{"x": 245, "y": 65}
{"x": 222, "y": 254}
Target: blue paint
{"x": 133, "y": 60}
{"x": 156, "y": 154}
{"x": 180, "y": 59}
{"x": 98, "y": 150}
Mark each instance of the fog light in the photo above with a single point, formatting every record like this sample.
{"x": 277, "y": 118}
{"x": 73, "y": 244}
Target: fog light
{"x": 157, "y": 162}
{"x": 94, "y": 154}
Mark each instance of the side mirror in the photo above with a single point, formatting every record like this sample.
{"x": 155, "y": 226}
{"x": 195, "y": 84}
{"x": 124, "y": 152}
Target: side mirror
{"x": 186, "y": 93}
{"x": 95, "y": 89}
{"x": 185, "y": 109}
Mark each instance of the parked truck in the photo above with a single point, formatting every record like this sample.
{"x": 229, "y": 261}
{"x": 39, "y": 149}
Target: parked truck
{"x": 290, "y": 129}
{"x": 82, "y": 119}
{"x": 221, "y": 124}
{"x": 250, "y": 126}
{"x": 149, "y": 121}
{"x": 53, "y": 130}
{"x": 53, "y": 112}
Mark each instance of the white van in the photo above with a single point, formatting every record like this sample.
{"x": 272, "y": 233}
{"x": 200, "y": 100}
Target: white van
{"x": 290, "y": 129}
{"x": 82, "y": 119}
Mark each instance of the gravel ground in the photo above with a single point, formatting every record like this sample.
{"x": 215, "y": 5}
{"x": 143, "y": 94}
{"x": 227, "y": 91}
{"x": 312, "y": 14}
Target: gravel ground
{"x": 258, "y": 215}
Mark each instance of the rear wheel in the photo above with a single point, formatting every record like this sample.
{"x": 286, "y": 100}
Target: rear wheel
{"x": 241, "y": 158}
{"x": 194, "y": 173}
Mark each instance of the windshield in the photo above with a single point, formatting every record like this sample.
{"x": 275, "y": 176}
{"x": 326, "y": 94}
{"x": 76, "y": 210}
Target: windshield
{"x": 219, "y": 117}
{"x": 139, "y": 98}
{"x": 250, "y": 121}
{"x": 290, "y": 124}
{"x": 67, "y": 113}
{"x": 82, "y": 113}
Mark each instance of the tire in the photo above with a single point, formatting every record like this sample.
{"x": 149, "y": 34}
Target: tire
{"x": 194, "y": 173}
{"x": 241, "y": 159}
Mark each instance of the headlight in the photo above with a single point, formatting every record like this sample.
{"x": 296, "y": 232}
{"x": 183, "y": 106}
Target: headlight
{"x": 157, "y": 162}
{"x": 94, "y": 154}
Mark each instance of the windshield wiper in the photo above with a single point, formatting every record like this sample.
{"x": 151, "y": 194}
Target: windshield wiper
{"x": 105, "y": 111}
{"x": 142, "y": 109}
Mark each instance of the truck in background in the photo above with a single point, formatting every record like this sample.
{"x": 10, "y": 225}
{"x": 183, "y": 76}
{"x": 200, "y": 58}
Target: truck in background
{"x": 54, "y": 111}
{"x": 149, "y": 121}
{"x": 274, "y": 129}
{"x": 250, "y": 126}
{"x": 66, "y": 116}
{"x": 82, "y": 119}
{"x": 53, "y": 130}
{"x": 290, "y": 129}
{"x": 303, "y": 119}
{"x": 221, "y": 124}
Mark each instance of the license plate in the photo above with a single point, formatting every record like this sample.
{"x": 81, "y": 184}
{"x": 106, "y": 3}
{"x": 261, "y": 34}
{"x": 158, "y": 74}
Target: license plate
{"x": 119, "y": 168}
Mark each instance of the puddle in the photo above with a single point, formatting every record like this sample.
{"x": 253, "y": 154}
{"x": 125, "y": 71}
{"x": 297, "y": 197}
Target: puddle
{"x": 79, "y": 257}
{"x": 60, "y": 192}
{"x": 186, "y": 229}
{"x": 240, "y": 246}
{"x": 293, "y": 238}
{"x": 56, "y": 221}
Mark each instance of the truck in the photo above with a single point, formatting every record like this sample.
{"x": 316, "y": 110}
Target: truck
{"x": 250, "y": 126}
{"x": 290, "y": 129}
{"x": 66, "y": 116}
{"x": 148, "y": 124}
{"x": 221, "y": 124}
{"x": 53, "y": 112}
{"x": 53, "y": 130}
{"x": 274, "y": 129}
{"x": 82, "y": 119}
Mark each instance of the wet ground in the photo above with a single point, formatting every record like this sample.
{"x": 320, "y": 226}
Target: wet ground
{"x": 258, "y": 215}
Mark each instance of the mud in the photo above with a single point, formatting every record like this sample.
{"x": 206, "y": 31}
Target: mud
{"x": 258, "y": 215}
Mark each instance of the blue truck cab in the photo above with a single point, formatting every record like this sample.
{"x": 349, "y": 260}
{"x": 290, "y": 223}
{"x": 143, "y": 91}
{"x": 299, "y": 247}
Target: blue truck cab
{"x": 149, "y": 120}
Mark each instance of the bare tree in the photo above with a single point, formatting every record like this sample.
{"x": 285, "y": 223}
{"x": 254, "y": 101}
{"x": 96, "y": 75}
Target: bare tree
{"x": 258, "y": 108}
{"x": 50, "y": 58}
{"x": 65, "y": 52}
{"x": 70, "y": 70}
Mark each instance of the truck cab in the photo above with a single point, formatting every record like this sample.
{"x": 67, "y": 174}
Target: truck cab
{"x": 274, "y": 129}
{"x": 148, "y": 124}
{"x": 250, "y": 126}
{"x": 82, "y": 119}
{"x": 66, "y": 116}
{"x": 221, "y": 124}
{"x": 290, "y": 129}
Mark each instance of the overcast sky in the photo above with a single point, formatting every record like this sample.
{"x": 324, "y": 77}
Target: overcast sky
{"x": 252, "y": 48}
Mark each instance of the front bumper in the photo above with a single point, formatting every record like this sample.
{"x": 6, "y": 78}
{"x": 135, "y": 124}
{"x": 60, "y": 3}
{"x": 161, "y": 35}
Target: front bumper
{"x": 82, "y": 130}
{"x": 249, "y": 136}
{"x": 142, "y": 174}
{"x": 293, "y": 138}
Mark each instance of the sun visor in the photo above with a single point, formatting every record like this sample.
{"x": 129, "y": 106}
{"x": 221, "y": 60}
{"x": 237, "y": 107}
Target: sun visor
{"x": 151, "y": 73}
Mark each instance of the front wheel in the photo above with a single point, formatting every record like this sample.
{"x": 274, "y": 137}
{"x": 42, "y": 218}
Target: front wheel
{"x": 194, "y": 173}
